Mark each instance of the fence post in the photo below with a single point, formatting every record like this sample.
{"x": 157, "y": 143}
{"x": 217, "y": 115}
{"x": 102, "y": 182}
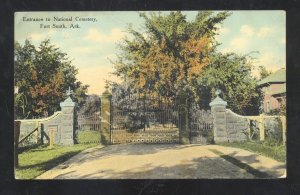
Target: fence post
{"x": 261, "y": 127}
{"x": 36, "y": 134}
{"x": 51, "y": 139}
{"x": 184, "y": 137}
{"x": 42, "y": 133}
{"x": 283, "y": 123}
{"x": 105, "y": 131}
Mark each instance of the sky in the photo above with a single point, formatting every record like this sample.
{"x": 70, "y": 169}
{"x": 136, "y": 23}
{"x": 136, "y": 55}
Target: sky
{"x": 94, "y": 43}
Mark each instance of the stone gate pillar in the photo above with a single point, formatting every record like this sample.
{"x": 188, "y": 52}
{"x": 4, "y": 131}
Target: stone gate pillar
{"x": 106, "y": 117}
{"x": 184, "y": 132}
{"x": 218, "y": 109}
{"x": 67, "y": 121}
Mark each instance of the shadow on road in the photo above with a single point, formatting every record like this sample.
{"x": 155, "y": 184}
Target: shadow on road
{"x": 205, "y": 167}
{"x": 198, "y": 168}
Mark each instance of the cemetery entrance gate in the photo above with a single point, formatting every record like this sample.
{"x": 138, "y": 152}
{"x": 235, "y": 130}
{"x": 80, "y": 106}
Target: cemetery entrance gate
{"x": 150, "y": 118}
{"x": 144, "y": 118}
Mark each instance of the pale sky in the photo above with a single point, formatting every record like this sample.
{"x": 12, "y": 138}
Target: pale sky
{"x": 91, "y": 45}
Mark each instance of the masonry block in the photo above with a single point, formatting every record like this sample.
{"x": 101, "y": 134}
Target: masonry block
{"x": 106, "y": 118}
{"x": 67, "y": 126}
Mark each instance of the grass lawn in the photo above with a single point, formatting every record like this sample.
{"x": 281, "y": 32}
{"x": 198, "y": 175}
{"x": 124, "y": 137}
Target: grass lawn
{"x": 276, "y": 152}
{"x": 34, "y": 162}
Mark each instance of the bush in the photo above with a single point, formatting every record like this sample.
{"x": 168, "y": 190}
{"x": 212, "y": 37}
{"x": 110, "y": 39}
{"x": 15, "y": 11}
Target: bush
{"x": 254, "y": 131}
{"x": 87, "y": 136}
{"x": 273, "y": 132}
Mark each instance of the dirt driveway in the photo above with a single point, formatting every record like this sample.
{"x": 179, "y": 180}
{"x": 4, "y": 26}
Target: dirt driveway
{"x": 165, "y": 161}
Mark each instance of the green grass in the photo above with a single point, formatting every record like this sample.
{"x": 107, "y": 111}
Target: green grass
{"x": 242, "y": 165}
{"x": 34, "y": 162}
{"x": 88, "y": 136}
{"x": 276, "y": 152}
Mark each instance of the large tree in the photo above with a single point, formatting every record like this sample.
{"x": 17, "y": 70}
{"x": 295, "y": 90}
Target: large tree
{"x": 170, "y": 53}
{"x": 231, "y": 73}
{"x": 42, "y": 75}
{"x": 174, "y": 53}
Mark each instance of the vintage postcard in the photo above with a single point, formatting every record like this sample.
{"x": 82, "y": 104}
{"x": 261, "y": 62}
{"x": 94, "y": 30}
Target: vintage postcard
{"x": 150, "y": 95}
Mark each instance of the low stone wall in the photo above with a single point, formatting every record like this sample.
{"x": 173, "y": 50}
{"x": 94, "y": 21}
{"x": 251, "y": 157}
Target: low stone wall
{"x": 61, "y": 124}
{"x": 228, "y": 126}
{"x": 55, "y": 125}
{"x": 154, "y": 136}
{"x": 25, "y": 129}
{"x": 44, "y": 126}
{"x": 237, "y": 127}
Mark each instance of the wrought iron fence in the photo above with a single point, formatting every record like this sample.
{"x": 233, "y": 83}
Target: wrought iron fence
{"x": 201, "y": 125}
{"x": 89, "y": 121}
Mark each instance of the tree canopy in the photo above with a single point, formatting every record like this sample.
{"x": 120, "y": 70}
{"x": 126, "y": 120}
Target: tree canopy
{"x": 171, "y": 52}
{"x": 263, "y": 72}
{"x": 42, "y": 76}
{"x": 231, "y": 73}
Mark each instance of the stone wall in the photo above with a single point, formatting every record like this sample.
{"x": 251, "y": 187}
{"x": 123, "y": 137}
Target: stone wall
{"x": 237, "y": 126}
{"x": 228, "y": 126}
{"x": 54, "y": 125}
{"x": 154, "y": 136}
{"x": 61, "y": 123}
{"x": 42, "y": 135}
{"x": 25, "y": 129}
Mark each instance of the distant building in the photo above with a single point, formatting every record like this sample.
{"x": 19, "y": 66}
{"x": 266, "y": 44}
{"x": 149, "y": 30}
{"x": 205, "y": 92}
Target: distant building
{"x": 274, "y": 89}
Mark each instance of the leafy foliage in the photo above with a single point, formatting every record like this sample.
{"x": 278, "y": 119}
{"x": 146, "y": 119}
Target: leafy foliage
{"x": 42, "y": 75}
{"x": 231, "y": 74}
{"x": 175, "y": 54}
{"x": 263, "y": 72}
{"x": 171, "y": 52}
{"x": 91, "y": 105}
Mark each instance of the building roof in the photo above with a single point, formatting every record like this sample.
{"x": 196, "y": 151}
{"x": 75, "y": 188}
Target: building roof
{"x": 276, "y": 77}
{"x": 280, "y": 90}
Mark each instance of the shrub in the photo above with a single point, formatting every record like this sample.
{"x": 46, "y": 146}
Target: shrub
{"x": 273, "y": 132}
{"x": 254, "y": 131}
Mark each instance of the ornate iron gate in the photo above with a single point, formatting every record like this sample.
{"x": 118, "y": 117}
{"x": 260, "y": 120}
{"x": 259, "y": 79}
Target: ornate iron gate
{"x": 144, "y": 118}
{"x": 201, "y": 126}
